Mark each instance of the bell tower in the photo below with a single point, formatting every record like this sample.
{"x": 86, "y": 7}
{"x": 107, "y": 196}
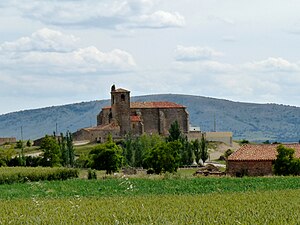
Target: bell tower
{"x": 120, "y": 108}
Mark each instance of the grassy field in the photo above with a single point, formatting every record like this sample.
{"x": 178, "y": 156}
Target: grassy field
{"x": 274, "y": 207}
{"x": 165, "y": 199}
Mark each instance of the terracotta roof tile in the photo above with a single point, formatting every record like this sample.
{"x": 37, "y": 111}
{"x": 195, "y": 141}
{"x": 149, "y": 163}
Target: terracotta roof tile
{"x": 260, "y": 152}
{"x": 135, "y": 118}
{"x": 110, "y": 126}
{"x": 155, "y": 105}
{"x": 150, "y": 105}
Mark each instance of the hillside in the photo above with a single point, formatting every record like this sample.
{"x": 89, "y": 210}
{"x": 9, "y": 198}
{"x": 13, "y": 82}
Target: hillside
{"x": 255, "y": 122}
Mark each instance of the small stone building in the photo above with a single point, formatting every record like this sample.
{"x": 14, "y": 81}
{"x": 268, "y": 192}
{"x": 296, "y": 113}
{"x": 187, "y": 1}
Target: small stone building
{"x": 255, "y": 160}
{"x": 124, "y": 117}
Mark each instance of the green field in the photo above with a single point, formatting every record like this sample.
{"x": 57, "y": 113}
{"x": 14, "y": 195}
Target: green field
{"x": 153, "y": 200}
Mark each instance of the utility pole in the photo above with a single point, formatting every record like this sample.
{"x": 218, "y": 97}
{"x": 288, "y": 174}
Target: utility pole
{"x": 215, "y": 129}
{"x": 56, "y": 129}
{"x": 22, "y": 148}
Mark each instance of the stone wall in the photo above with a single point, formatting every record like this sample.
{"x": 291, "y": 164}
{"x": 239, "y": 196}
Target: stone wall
{"x": 4, "y": 140}
{"x": 249, "y": 168}
{"x": 225, "y": 137}
{"x": 157, "y": 120}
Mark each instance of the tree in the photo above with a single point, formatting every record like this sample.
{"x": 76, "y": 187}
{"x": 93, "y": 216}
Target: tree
{"x": 28, "y": 143}
{"x": 196, "y": 148}
{"x": 164, "y": 157}
{"x": 51, "y": 150}
{"x": 174, "y": 132}
{"x": 203, "y": 149}
{"x": 70, "y": 149}
{"x": 6, "y": 155}
{"x": 107, "y": 156}
{"x": 67, "y": 149}
{"x": 285, "y": 164}
{"x": 186, "y": 151}
{"x": 19, "y": 144}
{"x": 63, "y": 150}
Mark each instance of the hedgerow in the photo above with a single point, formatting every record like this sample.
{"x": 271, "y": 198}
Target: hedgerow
{"x": 9, "y": 175}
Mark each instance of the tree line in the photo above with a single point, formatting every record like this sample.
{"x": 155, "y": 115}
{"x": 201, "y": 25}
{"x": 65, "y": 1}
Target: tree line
{"x": 153, "y": 152}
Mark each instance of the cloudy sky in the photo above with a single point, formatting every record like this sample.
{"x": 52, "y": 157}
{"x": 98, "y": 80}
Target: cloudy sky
{"x": 55, "y": 52}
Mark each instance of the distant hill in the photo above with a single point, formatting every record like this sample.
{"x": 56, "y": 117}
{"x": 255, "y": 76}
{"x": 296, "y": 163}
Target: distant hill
{"x": 255, "y": 122}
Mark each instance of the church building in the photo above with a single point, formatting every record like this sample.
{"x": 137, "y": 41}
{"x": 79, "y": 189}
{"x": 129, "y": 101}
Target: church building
{"x": 123, "y": 117}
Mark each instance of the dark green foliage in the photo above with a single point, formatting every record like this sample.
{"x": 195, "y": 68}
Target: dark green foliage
{"x": 107, "y": 156}
{"x": 174, "y": 132}
{"x": 286, "y": 163}
{"x": 244, "y": 141}
{"x": 186, "y": 152}
{"x": 70, "y": 149}
{"x": 19, "y": 144}
{"x": 135, "y": 148}
{"x": 83, "y": 161}
{"x": 51, "y": 151}
{"x": 228, "y": 153}
{"x": 203, "y": 149}
{"x": 67, "y": 149}
{"x": 6, "y": 155}
{"x": 196, "y": 149}
{"x": 28, "y": 143}
{"x": 164, "y": 157}
{"x": 92, "y": 174}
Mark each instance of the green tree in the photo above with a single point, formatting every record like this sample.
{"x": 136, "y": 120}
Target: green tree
{"x": 19, "y": 144}
{"x": 63, "y": 150}
{"x": 70, "y": 149}
{"x": 107, "y": 156}
{"x": 203, "y": 149}
{"x": 6, "y": 155}
{"x": 283, "y": 165}
{"x": 28, "y": 143}
{"x": 186, "y": 151}
{"x": 196, "y": 148}
{"x": 164, "y": 157}
{"x": 51, "y": 151}
{"x": 174, "y": 132}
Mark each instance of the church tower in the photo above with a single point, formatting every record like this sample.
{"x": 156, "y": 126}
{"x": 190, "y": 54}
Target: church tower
{"x": 120, "y": 108}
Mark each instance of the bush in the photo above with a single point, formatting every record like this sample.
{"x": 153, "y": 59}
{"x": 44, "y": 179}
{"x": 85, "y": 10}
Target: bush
{"x": 286, "y": 163}
{"x": 92, "y": 174}
{"x": 9, "y": 175}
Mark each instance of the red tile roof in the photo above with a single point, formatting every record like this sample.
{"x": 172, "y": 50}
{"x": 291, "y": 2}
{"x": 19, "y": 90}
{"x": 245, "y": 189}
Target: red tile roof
{"x": 150, "y": 105}
{"x": 155, "y": 105}
{"x": 110, "y": 126}
{"x": 260, "y": 152}
{"x": 135, "y": 118}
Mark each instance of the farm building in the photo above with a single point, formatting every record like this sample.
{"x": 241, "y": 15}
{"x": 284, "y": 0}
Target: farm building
{"x": 255, "y": 160}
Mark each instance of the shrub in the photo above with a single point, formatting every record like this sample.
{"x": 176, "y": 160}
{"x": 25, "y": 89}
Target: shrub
{"x": 9, "y": 175}
{"x": 92, "y": 174}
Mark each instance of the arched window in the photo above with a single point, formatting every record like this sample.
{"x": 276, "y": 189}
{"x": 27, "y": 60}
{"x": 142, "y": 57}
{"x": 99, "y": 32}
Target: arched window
{"x": 122, "y": 97}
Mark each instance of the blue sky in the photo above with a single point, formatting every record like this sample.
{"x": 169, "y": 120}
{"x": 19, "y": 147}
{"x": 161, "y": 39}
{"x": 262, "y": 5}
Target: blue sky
{"x": 59, "y": 52}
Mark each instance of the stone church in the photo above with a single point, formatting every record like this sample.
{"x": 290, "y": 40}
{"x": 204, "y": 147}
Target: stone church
{"x": 123, "y": 117}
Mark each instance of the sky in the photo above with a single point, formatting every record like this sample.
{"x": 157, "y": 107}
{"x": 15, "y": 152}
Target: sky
{"x": 56, "y": 52}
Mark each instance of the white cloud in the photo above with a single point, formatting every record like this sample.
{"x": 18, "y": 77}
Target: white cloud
{"x": 102, "y": 14}
{"x": 52, "y": 52}
{"x": 195, "y": 53}
{"x": 42, "y": 40}
{"x": 273, "y": 65}
{"x": 161, "y": 19}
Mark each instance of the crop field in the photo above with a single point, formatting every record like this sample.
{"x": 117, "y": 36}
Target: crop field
{"x": 153, "y": 200}
{"x": 274, "y": 207}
